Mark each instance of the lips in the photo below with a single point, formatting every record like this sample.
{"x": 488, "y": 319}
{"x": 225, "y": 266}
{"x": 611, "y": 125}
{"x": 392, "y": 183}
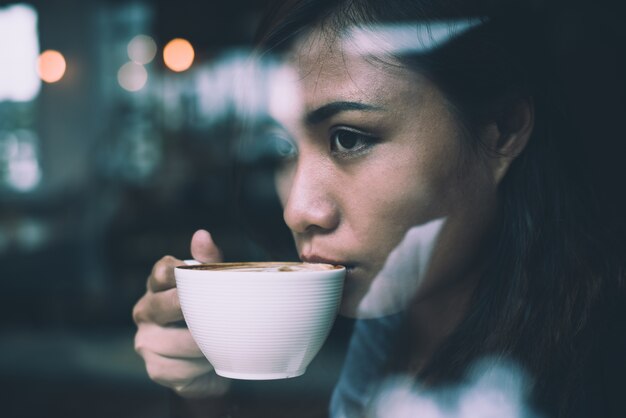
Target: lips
{"x": 319, "y": 259}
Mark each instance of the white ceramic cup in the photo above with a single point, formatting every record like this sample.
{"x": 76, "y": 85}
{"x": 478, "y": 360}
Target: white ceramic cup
{"x": 257, "y": 321}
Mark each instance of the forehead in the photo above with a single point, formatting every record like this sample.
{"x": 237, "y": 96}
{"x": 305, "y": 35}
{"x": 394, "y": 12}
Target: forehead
{"x": 323, "y": 68}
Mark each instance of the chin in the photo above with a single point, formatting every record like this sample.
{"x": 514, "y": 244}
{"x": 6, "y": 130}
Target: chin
{"x": 352, "y": 302}
{"x": 353, "y": 293}
{"x": 348, "y": 310}
{"x": 360, "y": 301}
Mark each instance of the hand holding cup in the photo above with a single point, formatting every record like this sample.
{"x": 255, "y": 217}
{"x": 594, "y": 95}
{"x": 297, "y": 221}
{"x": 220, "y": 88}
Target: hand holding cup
{"x": 171, "y": 355}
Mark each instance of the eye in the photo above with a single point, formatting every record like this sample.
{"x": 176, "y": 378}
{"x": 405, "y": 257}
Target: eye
{"x": 346, "y": 141}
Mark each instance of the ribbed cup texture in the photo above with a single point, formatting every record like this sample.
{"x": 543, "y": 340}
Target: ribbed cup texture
{"x": 259, "y": 325}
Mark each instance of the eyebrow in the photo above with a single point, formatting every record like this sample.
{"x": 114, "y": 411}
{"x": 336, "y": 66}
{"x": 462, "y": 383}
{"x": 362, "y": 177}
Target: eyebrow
{"x": 331, "y": 109}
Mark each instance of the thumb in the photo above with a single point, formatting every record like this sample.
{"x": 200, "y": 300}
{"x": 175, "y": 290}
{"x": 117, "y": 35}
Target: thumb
{"x": 203, "y": 249}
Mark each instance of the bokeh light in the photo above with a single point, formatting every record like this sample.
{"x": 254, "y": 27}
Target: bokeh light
{"x": 178, "y": 55}
{"x": 19, "y": 51}
{"x": 142, "y": 49}
{"x": 51, "y": 66}
{"x": 132, "y": 76}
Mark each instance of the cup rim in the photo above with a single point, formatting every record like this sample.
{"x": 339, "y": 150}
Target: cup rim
{"x": 232, "y": 267}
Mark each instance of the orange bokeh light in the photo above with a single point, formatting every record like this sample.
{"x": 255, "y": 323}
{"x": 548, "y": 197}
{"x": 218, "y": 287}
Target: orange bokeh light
{"x": 51, "y": 66}
{"x": 178, "y": 55}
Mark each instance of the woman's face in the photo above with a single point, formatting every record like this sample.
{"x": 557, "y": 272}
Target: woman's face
{"x": 372, "y": 151}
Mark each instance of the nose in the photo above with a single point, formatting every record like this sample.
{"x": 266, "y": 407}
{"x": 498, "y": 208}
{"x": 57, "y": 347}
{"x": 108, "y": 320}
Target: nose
{"x": 310, "y": 205}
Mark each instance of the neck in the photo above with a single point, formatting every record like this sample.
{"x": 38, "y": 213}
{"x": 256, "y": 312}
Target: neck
{"x": 434, "y": 318}
{"x": 436, "y": 314}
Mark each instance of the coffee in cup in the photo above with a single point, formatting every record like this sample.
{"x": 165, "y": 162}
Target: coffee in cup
{"x": 263, "y": 267}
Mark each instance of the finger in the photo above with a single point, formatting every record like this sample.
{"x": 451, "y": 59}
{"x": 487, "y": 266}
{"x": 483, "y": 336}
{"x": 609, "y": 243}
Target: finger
{"x": 162, "y": 276}
{"x": 161, "y": 308}
{"x": 167, "y": 341}
{"x": 172, "y": 372}
{"x": 203, "y": 248}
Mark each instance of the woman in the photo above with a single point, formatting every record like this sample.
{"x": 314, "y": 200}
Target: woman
{"x": 437, "y": 128}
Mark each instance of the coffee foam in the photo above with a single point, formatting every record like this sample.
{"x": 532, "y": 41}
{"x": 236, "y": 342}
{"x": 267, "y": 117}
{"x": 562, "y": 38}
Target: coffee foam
{"x": 267, "y": 267}
{"x": 287, "y": 268}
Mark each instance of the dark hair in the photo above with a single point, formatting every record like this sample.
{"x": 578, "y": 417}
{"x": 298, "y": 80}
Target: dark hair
{"x": 552, "y": 295}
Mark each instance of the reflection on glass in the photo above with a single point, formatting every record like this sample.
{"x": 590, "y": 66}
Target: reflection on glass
{"x": 493, "y": 388}
{"x": 402, "y": 274}
{"x": 406, "y": 38}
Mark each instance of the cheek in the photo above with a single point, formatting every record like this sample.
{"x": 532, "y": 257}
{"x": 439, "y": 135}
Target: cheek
{"x": 427, "y": 171}
{"x": 413, "y": 189}
{"x": 417, "y": 188}
{"x": 383, "y": 205}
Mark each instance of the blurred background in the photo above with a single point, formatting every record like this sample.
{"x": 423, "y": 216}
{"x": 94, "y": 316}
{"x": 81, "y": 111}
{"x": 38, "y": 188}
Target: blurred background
{"x": 115, "y": 131}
